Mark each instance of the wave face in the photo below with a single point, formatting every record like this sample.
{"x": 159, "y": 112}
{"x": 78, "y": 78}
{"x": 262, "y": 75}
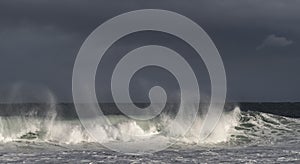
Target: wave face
{"x": 235, "y": 128}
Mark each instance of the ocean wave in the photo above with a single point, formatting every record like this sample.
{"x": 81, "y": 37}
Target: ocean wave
{"x": 234, "y": 127}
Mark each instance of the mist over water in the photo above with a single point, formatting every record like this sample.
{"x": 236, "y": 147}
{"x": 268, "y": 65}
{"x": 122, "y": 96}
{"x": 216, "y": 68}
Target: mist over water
{"x": 235, "y": 127}
{"x": 43, "y": 126}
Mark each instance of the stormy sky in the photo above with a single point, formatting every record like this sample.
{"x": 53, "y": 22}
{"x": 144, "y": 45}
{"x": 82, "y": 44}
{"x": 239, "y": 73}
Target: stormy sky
{"x": 259, "y": 42}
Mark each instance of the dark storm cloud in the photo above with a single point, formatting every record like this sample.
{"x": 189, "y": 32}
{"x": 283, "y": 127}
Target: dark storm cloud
{"x": 39, "y": 40}
{"x": 76, "y": 15}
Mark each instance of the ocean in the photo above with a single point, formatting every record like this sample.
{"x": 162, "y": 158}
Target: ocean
{"x": 38, "y": 135}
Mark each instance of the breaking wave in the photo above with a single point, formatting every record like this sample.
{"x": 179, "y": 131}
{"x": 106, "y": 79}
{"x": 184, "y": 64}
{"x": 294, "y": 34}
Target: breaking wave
{"x": 235, "y": 127}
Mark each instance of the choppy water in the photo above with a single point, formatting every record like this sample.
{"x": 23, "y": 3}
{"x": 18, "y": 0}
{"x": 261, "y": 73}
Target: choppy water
{"x": 252, "y": 137}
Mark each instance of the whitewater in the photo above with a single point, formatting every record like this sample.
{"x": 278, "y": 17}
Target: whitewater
{"x": 241, "y": 136}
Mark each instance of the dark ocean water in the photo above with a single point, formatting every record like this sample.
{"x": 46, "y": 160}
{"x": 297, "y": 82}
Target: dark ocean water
{"x": 40, "y": 136}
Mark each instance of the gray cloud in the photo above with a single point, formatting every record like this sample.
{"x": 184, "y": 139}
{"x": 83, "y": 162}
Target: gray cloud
{"x": 39, "y": 41}
{"x": 274, "y": 41}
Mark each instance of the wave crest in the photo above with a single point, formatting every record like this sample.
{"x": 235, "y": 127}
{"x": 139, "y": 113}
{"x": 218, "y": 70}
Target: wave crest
{"x": 234, "y": 127}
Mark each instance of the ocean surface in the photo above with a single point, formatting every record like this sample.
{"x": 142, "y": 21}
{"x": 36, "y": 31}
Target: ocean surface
{"x": 240, "y": 136}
